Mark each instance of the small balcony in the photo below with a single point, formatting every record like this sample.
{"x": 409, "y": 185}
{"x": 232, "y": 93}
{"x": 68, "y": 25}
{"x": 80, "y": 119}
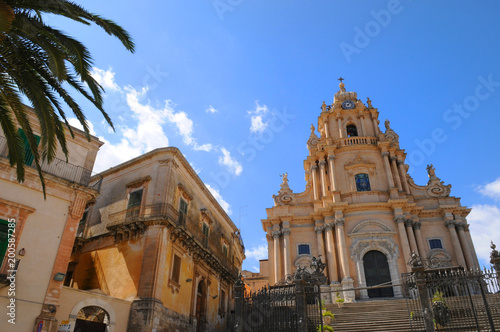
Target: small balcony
{"x": 57, "y": 167}
{"x": 356, "y": 140}
{"x": 127, "y": 223}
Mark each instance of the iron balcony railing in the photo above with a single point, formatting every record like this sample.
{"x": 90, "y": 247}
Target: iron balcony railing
{"x": 181, "y": 221}
{"x": 57, "y": 167}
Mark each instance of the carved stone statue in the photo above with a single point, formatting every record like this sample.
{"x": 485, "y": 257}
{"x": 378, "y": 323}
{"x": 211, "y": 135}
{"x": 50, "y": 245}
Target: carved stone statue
{"x": 369, "y": 102}
{"x": 387, "y": 125}
{"x": 431, "y": 170}
{"x": 284, "y": 176}
{"x": 312, "y": 129}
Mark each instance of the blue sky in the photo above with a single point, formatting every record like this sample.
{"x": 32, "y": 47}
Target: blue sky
{"x": 236, "y": 84}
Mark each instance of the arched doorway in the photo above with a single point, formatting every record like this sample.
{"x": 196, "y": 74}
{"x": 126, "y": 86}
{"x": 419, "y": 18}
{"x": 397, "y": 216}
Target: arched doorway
{"x": 377, "y": 272}
{"x": 200, "y": 306}
{"x": 92, "y": 319}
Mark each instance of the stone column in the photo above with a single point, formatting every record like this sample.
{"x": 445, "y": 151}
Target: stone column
{"x": 403, "y": 238}
{"x": 388, "y": 173}
{"x": 330, "y": 253}
{"x": 375, "y": 125}
{"x": 286, "y": 251}
{"x": 395, "y": 173}
{"x": 411, "y": 236}
{"x": 327, "y": 131}
{"x": 270, "y": 253}
{"x": 277, "y": 266}
{"x": 402, "y": 175}
{"x": 333, "y": 179}
{"x": 341, "y": 132}
{"x": 465, "y": 245}
{"x": 322, "y": 165}
{"x": 422, "y": 248}
{"x": 471, "y": 246}
{"x": 361, "y": 120}
{"x": 319, "y": 239}
{"x": 456, "y": 243}
{"x": 314, "y": 169}
{"x": 344, "y": 261}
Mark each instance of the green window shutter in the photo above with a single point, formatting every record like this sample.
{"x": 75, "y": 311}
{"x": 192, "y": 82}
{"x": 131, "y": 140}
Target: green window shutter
{"x": 4, "y": 236}
{"x": 135, "y": 199}
{"x": 183, "y": 206}
{"x": 28, "y": 155}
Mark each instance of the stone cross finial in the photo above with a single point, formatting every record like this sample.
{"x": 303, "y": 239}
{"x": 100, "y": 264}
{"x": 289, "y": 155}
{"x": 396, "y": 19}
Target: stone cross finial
{"x": 340, "y": 79}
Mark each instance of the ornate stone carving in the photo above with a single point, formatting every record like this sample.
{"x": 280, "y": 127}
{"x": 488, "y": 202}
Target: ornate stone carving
{"x": 399, "y": 219}
{"x": 360, "y": 247}
{"x": 450, "y": 223}
{"x": 169, "y": 161}
{"x": 389, "y": 133}
{"x": 276, "y": 234}
{"x": 339, "y": 221}
{"x": 313, "y": 139}
{"x": 286, "y": 231}
{"x": 319, "y": 229}
{"x": 436, "y": 187}
{"x": 359, "y": 162}
{"x": 285, "y": 195}
{"x": 329, "y": 227}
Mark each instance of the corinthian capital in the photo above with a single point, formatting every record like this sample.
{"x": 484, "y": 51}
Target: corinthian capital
{"x": 339, "y": 221}
{"x": 286, "y": 231}
{"x": 319, "y": 229}
{"x": 276, "y": 234}
{"x": 399, "y": 219}
{"x": 450, "y": 223}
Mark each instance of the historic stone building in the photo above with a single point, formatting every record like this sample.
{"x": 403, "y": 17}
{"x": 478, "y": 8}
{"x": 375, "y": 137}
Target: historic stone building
{"x": 156, "y": 237}
{"x": 361, "y": 210}
{"x": 37, "y": 234}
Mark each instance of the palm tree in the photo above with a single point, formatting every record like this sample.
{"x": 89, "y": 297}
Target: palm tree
{"x": 39, "y": 62}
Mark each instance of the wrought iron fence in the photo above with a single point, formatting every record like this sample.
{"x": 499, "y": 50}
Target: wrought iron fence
{"x": 292, "y": 305}
{"x": 458, "y": 300}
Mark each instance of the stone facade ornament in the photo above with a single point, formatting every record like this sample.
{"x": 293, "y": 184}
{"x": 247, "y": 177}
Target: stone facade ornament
{"x": 389, "y": 133}
{"x": 313, "y": 139}
{"x": 285, "y": 195}
{"x": 436, "y": 187}
{"x": 495, "y": 257}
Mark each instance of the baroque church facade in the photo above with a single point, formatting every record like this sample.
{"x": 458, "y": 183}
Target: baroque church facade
{"x": 361, "y": 210}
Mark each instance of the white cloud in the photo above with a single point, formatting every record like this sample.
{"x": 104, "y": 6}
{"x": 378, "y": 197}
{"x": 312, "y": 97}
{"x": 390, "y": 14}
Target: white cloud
{"x": 257, "y": 252}
{"x": 106, "y": 78}
{"x": 491, "y": 189}
{"x": 225, "y": 205}
{"x": 204, "y": 147}
{"x": 76, "y": 123}
{"x": 257, "y": 118}
{"x": 232, "y": 165}
{"x": 484, "y": 223}
{"x": 211, "y": 109}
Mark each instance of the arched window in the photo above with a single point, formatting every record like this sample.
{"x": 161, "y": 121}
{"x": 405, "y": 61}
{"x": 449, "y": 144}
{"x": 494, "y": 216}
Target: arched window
{"x": 362, "y": 182}
{"x": 351, "y": 130}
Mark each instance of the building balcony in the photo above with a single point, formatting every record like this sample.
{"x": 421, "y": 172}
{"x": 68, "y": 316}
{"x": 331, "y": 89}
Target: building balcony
{"x": 59, "y": 168}
{"x": 356, "y": 140}
{"x": 128, "y": 223}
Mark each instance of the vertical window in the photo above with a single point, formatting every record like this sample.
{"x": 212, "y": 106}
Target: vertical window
{"x": 81, "y": 224}
{"x": 304, "y": 249}
{"x": 435, "y": 244}
{"x": 222, "y": 302}
{"x": 134, "y": 203}
{"x": 183, "y": 209}
{"x": 362, "y": 182}
{"x": 224, "y": 249}
{"x": 206, "y": 231}
{"x": 134, "y": 199}
{"x": 28, "y": 155}
{"x": 351, "y": 130}
{"x": 176, "y": 269}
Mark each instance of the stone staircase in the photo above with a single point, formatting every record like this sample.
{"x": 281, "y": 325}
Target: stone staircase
{"x": 375, "y": 316}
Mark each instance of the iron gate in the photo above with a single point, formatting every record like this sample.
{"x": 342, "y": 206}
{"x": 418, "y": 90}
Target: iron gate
{"x": 292, "y": 305}
{"x": 458, "y": 300}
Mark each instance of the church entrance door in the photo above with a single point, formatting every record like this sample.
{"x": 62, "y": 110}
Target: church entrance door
{"x": 377, "y": 272}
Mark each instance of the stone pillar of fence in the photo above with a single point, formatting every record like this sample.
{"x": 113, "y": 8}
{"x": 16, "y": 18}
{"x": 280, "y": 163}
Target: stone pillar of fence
{"x": 301, "y": 304}
{"x": 418, "y": 268}
{"x": 239, "y": 303}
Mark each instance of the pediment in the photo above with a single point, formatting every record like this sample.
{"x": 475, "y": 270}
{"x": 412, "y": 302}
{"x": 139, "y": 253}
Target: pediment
{"x": 371, "y": 228}
{"x": 359, "y": 162}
